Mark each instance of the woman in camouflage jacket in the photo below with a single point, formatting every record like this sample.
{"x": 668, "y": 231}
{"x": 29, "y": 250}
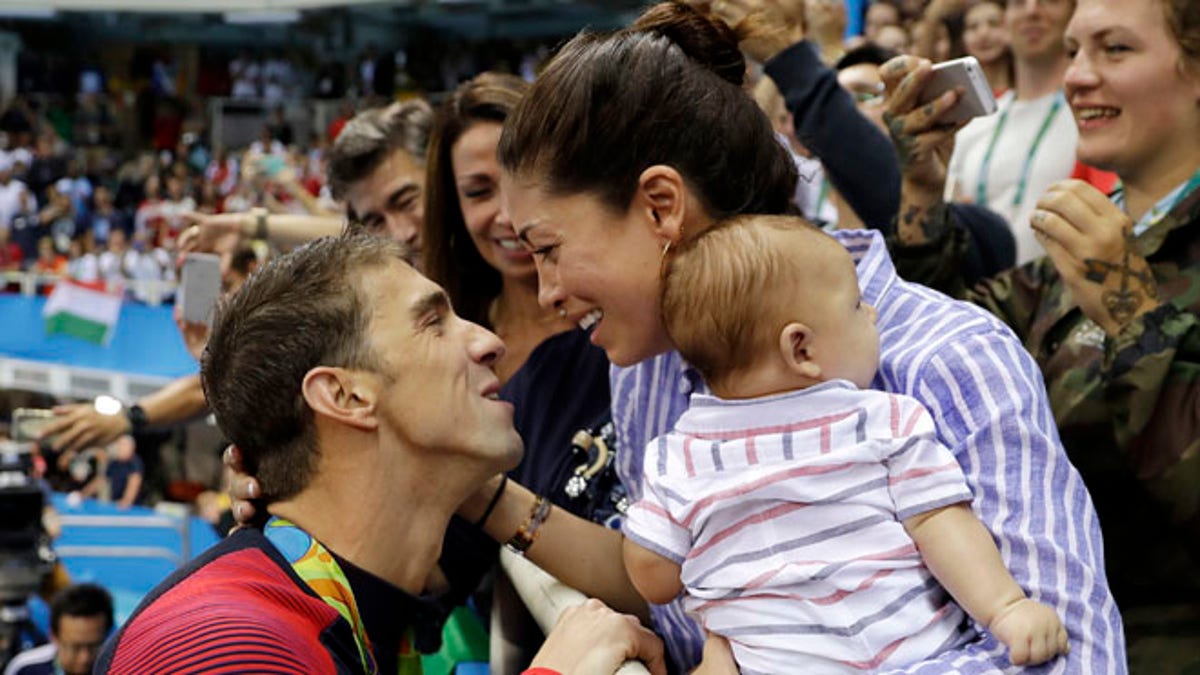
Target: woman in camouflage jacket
{"x": 1112, "y": 313}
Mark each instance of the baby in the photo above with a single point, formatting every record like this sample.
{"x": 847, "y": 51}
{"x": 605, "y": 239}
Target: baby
{"x": 811, "y": 521}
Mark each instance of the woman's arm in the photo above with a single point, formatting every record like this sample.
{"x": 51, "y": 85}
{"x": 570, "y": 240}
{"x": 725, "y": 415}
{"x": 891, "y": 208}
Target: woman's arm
{"x": 580, "y": 553}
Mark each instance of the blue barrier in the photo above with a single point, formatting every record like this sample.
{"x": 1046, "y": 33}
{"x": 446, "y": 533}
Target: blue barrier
{"x": 128, "y": 551}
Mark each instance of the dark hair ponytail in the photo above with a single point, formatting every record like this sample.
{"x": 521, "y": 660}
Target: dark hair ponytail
{"x": 706, "y": 39}
{"x": 663, "y": 92}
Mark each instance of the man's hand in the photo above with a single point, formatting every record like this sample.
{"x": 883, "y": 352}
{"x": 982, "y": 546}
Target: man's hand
{"x": 591, "y": 639}
{"x": 1090, "y": 240}
{"x": 220, "y": 233}
{"x": 79, "y": 426}
{"x": 1032, "y": 632}
{"x": 195, "y": 334}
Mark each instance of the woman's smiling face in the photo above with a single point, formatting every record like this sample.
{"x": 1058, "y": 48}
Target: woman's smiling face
{"x": 599, "y": 267}
{"x": 477, "y": 185}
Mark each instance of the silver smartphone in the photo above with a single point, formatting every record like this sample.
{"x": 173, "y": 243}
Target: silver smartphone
{"x": 966, "y": 73}
{"x": 28, "y": 423}
{"x": 200, "y": 287}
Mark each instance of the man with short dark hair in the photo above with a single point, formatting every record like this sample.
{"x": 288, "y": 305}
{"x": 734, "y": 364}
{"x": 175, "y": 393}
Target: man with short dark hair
{"x": 371, "y": 411}
{"x": 377, "y": 166}
{"x": 81, "y": 617}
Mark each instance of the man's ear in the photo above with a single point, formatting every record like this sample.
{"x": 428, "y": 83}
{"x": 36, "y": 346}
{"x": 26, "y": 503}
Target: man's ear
{"x": 662, "y": 196}
{"x": 341, "y": 395}
{"x": 796, "y": 349}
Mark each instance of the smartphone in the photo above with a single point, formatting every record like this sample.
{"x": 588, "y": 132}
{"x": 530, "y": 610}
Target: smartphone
{"x": 200, "y": 287}
{"x": 28, "y": 423}
{"x": 977, "y": 98}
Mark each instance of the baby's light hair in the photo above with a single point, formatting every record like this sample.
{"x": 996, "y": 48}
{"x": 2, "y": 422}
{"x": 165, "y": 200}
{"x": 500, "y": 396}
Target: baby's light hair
{"x": 728, "y": 292}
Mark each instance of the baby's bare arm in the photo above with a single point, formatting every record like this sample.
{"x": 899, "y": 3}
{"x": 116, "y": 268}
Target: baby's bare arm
{"x": 960, "y": 552}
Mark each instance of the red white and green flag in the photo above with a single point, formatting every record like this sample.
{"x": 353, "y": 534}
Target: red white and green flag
{"x": 85, "y": 311}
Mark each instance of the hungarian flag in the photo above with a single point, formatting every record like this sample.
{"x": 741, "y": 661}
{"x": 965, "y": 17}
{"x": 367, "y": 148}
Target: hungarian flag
{"x": 83, "y": 310}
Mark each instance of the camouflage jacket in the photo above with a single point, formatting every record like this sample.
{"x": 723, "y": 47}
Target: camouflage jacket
{"x": 1128, "y": 408}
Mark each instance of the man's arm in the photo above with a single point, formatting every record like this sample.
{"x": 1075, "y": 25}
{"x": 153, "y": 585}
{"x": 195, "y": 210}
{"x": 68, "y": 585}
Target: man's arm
{"x": 80, "y": 426}
{"x": 990, "y": 407}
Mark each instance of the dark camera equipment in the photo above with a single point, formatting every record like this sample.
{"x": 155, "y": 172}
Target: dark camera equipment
{"x": 25, "y": 553}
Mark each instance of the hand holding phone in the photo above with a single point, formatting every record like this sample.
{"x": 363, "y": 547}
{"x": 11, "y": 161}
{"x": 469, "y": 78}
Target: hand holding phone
{"x": 28, "y": 423}
{"x": 966, "y": 74}
{"x": 200, "y": 287}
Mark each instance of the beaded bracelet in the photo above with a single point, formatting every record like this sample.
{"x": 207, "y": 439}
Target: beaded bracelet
{"x": 523, "y": 539}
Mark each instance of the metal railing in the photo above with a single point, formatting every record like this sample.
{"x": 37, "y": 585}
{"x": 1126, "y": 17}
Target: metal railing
{"x": 150, "y": 291}
{"x": 179, "y": 526}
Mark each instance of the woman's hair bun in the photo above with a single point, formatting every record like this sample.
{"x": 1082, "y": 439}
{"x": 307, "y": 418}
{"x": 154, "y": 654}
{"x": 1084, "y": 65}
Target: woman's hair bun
{"x": 705, "y": 38}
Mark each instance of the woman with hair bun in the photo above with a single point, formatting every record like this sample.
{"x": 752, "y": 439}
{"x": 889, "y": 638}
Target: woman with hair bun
{"x": 629, "y": 144}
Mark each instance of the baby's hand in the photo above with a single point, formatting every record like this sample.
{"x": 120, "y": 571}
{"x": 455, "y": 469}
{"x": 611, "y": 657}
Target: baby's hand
{"x": 1032, "y": 632}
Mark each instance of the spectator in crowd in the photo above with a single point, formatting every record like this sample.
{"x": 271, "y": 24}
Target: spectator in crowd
{"x": 379, "y": 339}
{"x": 895, "y": 38}
{"x": 1111, "y": 314}
{"x": 82, "y": 262}
{"x": 46, "y": 166}
{"x": 987, "y": 38}
{"x": 122, "y": 475}
{"x": 222, "y": 171}
{"x": 799, "y": 360}
{"x": 81, "y": 617}
{"x": 1008, "y": 160}
{"x": 76, "y": 186}
{"x": 11, "y": 190}
{"x": 104, "y": 217}
{"x": 938, "y": 34}
{"x": 267, "y": 144}
{"x": 172, "y": 210}
{"x": 879, "y": 14}
{"x": 148, "y": 216}
{"x": 112, "y": 260}
{"x": 150, "y": 268}
{"x": 49, "y": 261}
{"x": 58, "y": 216}
{"x": 26, "y": 224}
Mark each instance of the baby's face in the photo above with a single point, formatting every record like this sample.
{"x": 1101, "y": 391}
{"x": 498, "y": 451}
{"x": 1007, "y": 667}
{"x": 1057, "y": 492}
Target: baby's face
{"x": 846, "y": 340}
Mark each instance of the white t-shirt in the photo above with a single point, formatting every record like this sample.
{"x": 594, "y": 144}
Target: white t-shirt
{"x": 1053, "y": 161}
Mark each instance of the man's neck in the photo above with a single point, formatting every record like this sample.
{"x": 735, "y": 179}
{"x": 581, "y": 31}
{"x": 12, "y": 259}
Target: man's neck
{"x": 387, "y": 522}
{"x": 1039, "y": 77}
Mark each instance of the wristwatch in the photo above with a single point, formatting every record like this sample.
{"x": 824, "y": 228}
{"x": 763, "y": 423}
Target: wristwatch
{"x": 137, "y": 419}
{"x": 108, "y": 405}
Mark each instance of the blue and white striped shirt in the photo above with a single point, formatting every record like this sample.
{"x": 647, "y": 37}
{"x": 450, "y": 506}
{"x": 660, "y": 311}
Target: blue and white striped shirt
{"x": 990, "y": 407}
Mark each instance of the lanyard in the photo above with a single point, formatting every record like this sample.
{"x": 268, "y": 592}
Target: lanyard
{"x": 1164, "y": 205}
{"x": 985, "y": 168}
{"x": 318, "y": 568}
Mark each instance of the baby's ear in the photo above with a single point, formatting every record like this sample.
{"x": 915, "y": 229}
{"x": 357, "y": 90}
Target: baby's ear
{"x": 796, "y": 348}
